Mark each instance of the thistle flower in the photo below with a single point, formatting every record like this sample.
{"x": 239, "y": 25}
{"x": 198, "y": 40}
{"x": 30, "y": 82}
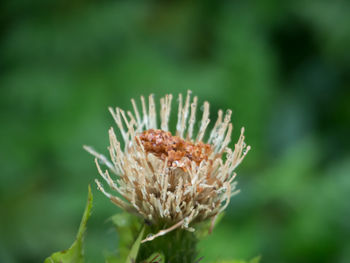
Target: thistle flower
{"x": 171, "y": 180}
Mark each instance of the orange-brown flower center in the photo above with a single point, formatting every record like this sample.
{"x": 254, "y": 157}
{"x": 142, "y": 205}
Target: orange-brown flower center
{"x": 164, "y": 145}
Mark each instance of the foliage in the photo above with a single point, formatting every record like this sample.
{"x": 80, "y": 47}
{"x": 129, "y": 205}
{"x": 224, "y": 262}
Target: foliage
{"x": 128, "y": 228}
{"x": 135, "y": 248}
{"x": 155, "y": 258}
{"x": 176, "y": 246}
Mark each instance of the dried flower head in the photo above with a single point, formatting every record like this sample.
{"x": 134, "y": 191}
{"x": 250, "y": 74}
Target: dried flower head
{"x": 171, "y": 180}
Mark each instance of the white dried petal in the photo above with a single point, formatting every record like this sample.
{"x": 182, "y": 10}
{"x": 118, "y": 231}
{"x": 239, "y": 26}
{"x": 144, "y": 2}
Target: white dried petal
{"x": 184, "y": 191}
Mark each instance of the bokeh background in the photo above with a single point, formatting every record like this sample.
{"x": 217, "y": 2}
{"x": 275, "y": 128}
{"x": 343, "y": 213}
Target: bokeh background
{"x": 283, "y": 67}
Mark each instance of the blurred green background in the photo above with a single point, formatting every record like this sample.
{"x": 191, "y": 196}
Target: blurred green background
{"x": 282, "y": 67}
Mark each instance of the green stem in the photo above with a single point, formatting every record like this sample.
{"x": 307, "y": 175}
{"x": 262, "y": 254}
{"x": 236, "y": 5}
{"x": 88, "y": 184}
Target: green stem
{"x": 178, "y": 246}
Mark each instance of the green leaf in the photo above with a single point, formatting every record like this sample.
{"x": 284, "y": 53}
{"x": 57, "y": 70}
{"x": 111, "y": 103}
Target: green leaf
{"x": 128, "y": 227}
{"x": 135, "y": 248}
{"x": 155, "y": 258}
{"x": 75, "y": 253}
